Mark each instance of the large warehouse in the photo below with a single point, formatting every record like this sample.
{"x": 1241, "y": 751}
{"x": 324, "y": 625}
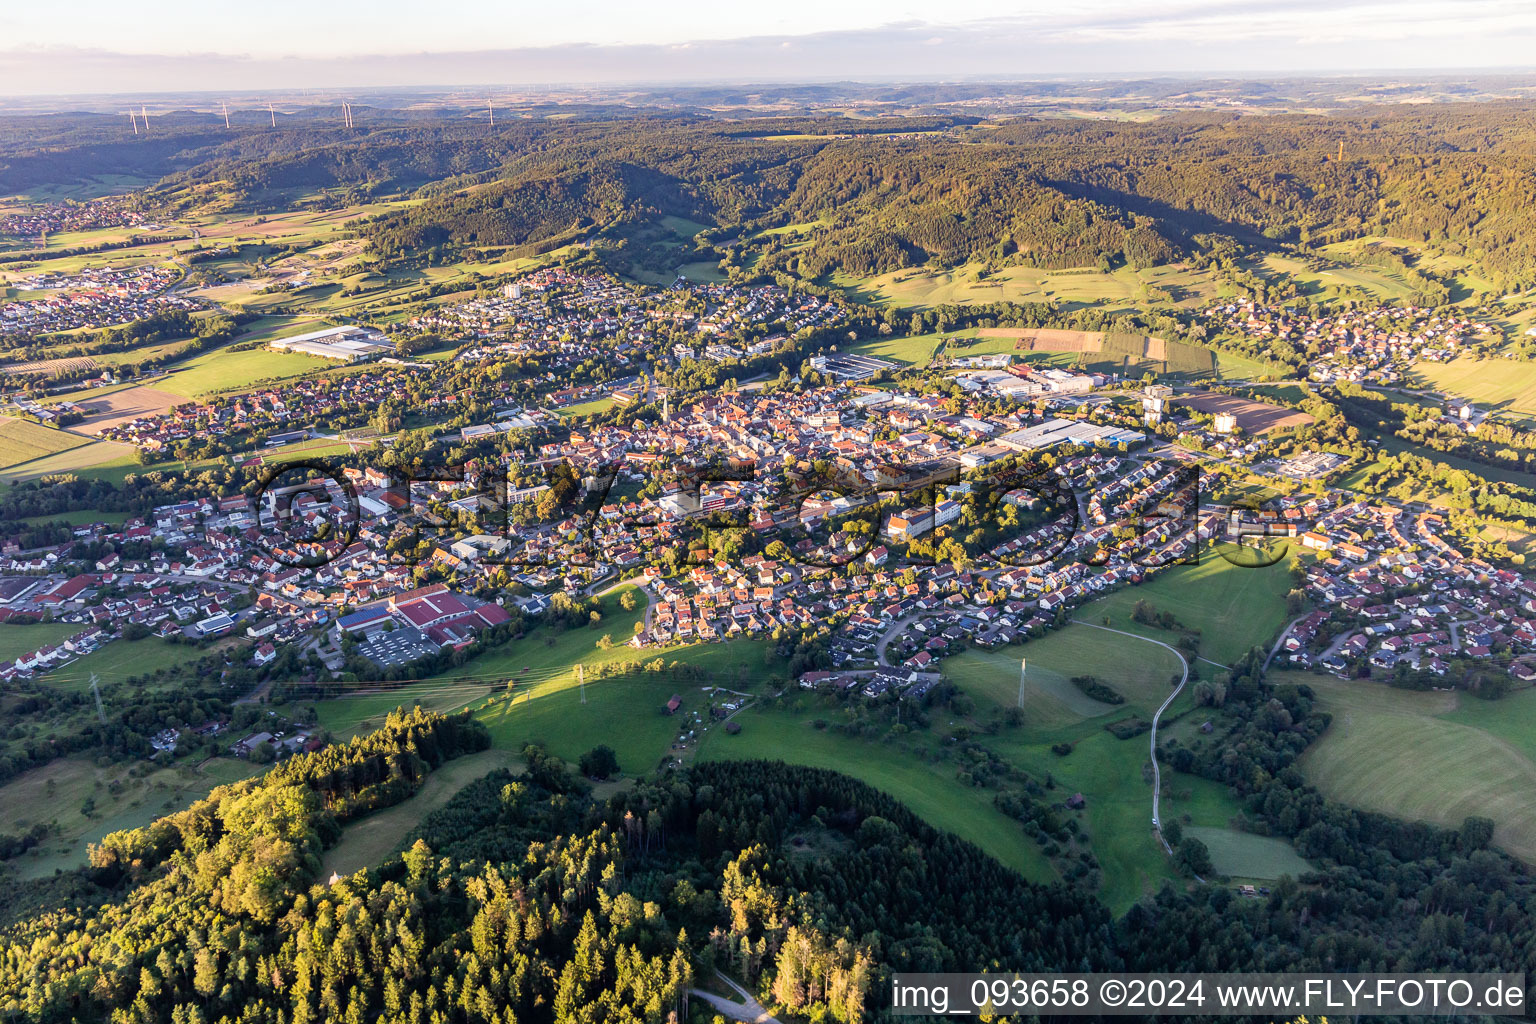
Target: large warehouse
{"x": 348, "y": 344}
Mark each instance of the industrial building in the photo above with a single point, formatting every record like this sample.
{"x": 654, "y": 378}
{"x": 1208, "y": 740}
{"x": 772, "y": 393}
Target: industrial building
{"x": 347, "y": 344}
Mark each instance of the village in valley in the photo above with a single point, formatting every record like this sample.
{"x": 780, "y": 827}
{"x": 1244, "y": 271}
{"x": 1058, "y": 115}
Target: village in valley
{"x": 920, "y": 554}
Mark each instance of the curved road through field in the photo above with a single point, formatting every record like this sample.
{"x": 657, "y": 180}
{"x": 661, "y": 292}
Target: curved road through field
{"x": 1157, "y": 777}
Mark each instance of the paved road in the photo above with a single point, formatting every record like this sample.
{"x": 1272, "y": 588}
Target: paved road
{"x": 1281, "y": 639}
{"x": 1157, "y": 777}
{"x": 749, "y": 1009}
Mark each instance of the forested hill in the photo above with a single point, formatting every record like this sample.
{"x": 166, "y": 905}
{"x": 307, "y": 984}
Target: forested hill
{"x": 877, "y": 194}
{"x": 525, "y": 899}
{"x": 1041, "y": 193}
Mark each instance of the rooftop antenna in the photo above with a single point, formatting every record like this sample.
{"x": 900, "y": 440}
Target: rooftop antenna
{"x": 581, "y": 680}
{"x": 272, "y": 114}
{"x": 100, "y": 714}
{"x": 134, "y": 119}
{"x": 226, "y": 113}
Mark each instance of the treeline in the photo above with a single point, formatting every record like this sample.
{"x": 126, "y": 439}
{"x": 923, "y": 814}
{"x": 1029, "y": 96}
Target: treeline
{"x": 304, "y": 800}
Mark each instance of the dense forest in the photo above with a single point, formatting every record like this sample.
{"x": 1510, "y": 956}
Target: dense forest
{"x": 876, "y": 196}
{"x": 526, "y": 898}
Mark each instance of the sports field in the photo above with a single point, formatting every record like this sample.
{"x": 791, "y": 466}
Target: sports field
{"x": 1437, "y": 757}
{"x": 23, "y": 440}
{"x": 17, "y": 639}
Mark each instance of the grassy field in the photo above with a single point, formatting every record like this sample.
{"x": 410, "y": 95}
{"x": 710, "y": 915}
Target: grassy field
{"x": 22, "y": 441}
{"x": 1505, "y": 385}
{"x": 227, "y": 370}
{"x": 101, "y": 458}
{"x": 78, "y": 517}
{"x": 122, "y": 659}
{"x": 917, "y": 349}
{"x": 1138, "y": 672}
{"x": 587, "y": 408}
{"x": 1234, "y": 608}
{"x": 57, "y": 792}
{"x": 369, "y": 840}
{"x": 1170, "y": 286}
{"x": 1436, "y": 757}
{"x": 928, "y": 787}
{"x": 1245, "y": 855}
{"x": 18, "y": 639}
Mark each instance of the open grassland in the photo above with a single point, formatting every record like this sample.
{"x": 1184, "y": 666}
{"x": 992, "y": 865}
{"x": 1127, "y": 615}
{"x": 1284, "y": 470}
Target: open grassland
{"x": 1111, "y": 773}
{"x": 22, "y": 441}
{"x": 1437, "y": 757}
{"x": 1171, "y": 286}
{"x": 367, "y": 841}
{"x": 1234, "y": 607}
{"x": 1141, "y": 673}
{"x": 1245, "y": 855}
{"x": 125, "y": 659}
{"x": 1378, "y": 283}
{"x": 17, "y": 639}
{"x": 1507, "y": 386}
{"x": 929, "y": 787}
{"x": 121, "y": 795}
{"x": 225, "y": 369}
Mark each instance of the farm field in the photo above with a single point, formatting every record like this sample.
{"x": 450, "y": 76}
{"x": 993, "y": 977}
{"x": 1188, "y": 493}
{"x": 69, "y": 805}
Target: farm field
{"x": 23, "y": 441}
{"x": 104, "y": 411}
{"x": 1246, "y": 855}
{"x": 1252, "y": 416}
{"x": 57, "y": 792}
{"x": 1427, "y": 756}
{"x": 1507, "y": 386}
{"x": 1233, "y": 607}
{"x": 94, "y": 458}
{"x": 369, "y": 840}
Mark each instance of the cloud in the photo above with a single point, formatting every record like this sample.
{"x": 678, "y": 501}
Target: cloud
{"x": 1085, "y": 37}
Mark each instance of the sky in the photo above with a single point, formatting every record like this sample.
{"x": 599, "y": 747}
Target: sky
{"x": 93, "y": 46}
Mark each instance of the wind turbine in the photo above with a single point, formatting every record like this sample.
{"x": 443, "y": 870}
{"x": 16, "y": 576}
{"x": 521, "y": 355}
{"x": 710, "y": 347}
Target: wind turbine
{"x": 226, "y": 114}
{"x": 492, "y": 111}
{"x": 135, "y": 121}
{"x": 144, "y": 113}
{"x": 272, "y": 114}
